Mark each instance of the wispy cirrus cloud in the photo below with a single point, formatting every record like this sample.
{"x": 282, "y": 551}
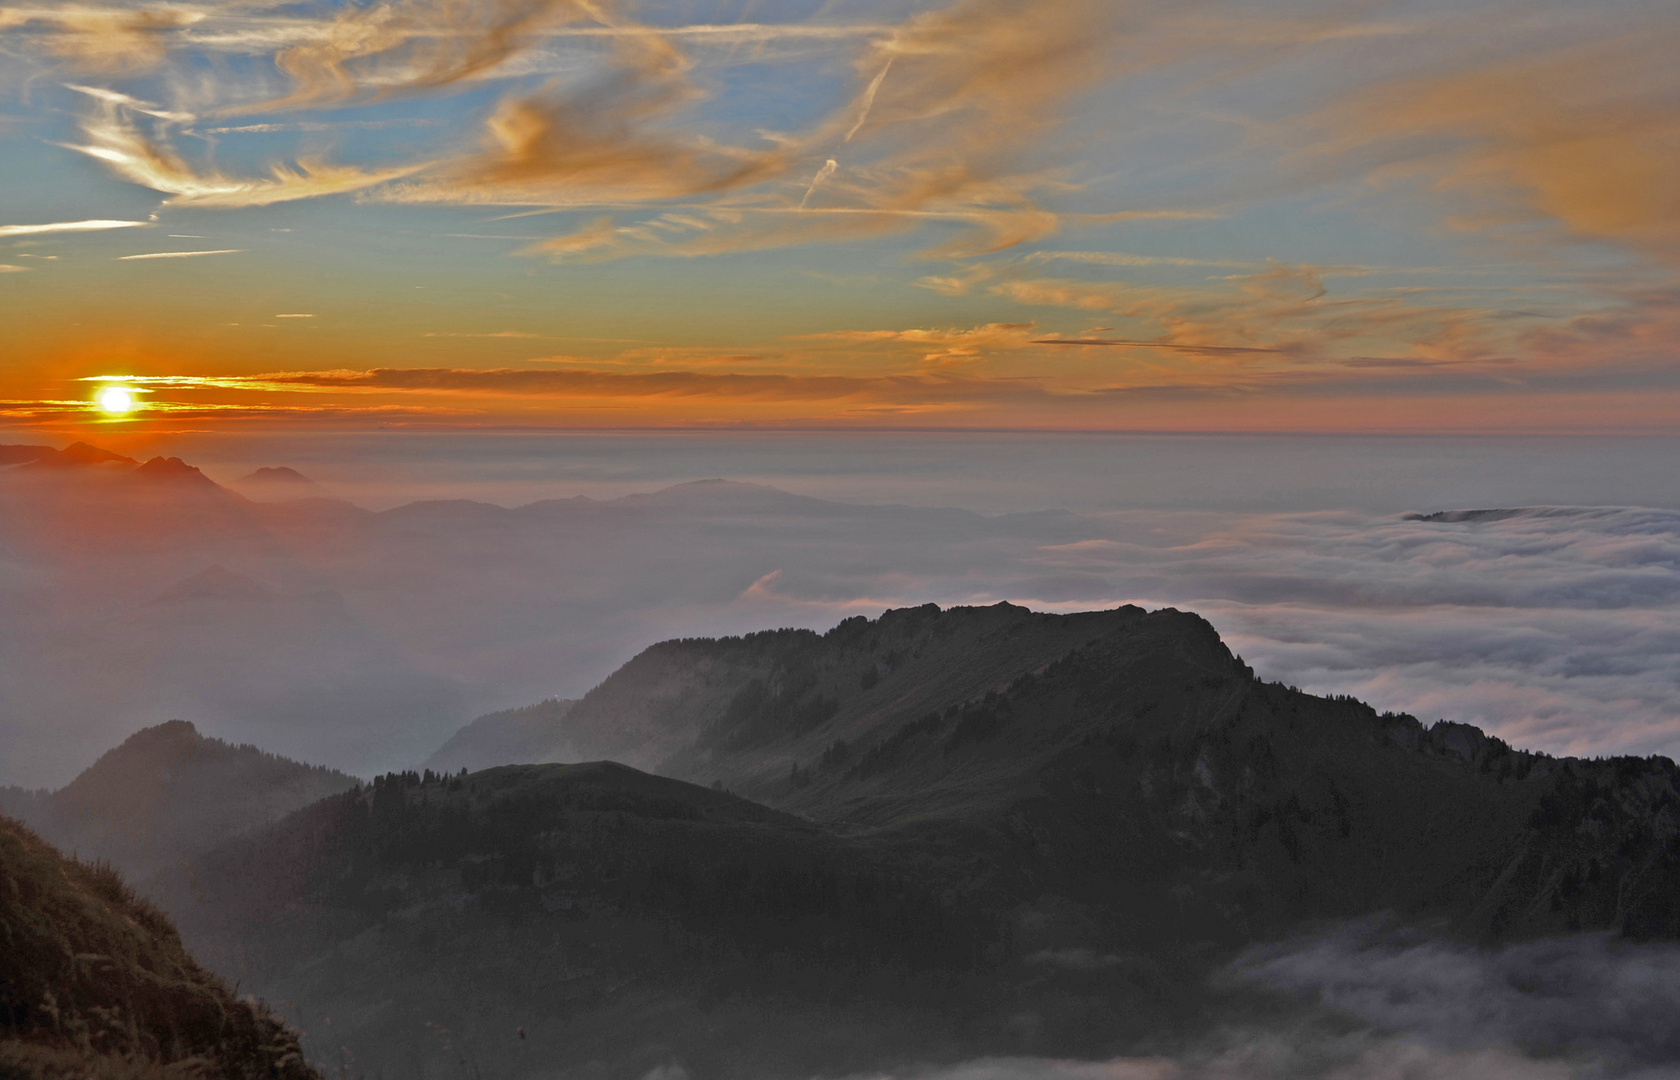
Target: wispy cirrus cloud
{"x": 1585, "y": 136}
{"x": 111, "y": 39}
{"x": 948, "y": 108}
{"x": 977, "y": 130}
{"x": 938, "y": 346}
{"x": 115, "y": 140}
{"x": 1164, "y": 345}
{"x": 410, "y": 47}
{"x": 323, "y": 125}
{"x": 92, "y": 225}
{"x": 179, "y": 254}
{"x": 592, "y": 143}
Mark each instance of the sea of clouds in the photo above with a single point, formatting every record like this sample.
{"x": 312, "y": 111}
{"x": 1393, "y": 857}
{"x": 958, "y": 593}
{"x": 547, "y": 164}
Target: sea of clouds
{"x": 1555, "y": 627}
{"x": 1385, "y": 1003}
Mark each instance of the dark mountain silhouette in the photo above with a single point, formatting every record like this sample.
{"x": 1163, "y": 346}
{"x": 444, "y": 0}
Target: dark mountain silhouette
{"x": 985, "y": 831}
{"x": 167, "y": 793}
{"x": 738, "y": 708}
{"x": 617, "y": 919}
{"x": 510, "y": 737}
{"x": 171, "y": 469}
{"x": 95, "y": 983}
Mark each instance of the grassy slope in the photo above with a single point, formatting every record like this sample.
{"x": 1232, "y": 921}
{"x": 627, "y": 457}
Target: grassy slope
{"x": 94, "y": 982}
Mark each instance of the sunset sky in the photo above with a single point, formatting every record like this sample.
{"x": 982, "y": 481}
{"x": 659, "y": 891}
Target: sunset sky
{"x": 1039, "y": 214}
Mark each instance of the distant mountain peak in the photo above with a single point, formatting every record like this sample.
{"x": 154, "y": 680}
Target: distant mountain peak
{"x": 172, "y": 469}
{"x": 169, "y": 729}
{"x": 276, "y": 475}
{"x": 88, "y": 454}
{"x": 168, "y": 791}
{"x": 712, "y": 488}
{"x": 216, "y": 583}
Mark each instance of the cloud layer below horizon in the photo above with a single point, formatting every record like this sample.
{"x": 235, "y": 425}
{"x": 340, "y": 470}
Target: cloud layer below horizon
{"x": 1390, "y": 1004}
{"x": 1555, "y": 628}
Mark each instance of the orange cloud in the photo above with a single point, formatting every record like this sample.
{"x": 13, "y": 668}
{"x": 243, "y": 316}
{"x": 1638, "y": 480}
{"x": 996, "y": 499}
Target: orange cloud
{"x": 946, "y": 125}
{"x": 940, "y": 347}
{"x": 592, "y": 143}
{"x": 102, "y": 39}
{"x": 590, "y": 383}
{"x": 390, "y": 49}
{"x": 1282, "y": 311}
{"x": 1586, "y": 136}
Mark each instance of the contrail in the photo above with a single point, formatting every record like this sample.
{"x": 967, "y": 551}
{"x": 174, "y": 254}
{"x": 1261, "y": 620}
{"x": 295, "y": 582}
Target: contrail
{"x": 868, "y": 101}
{"x": 179, "y": 254}
{"x": 822, "y": 174}
{"x": 69, "y": 226}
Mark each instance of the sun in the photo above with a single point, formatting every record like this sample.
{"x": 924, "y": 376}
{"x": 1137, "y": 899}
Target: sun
{"x": 115, "y": 400}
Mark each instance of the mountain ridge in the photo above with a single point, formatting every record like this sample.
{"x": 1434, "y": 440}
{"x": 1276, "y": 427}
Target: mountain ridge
{"x": 168, "y": 792}
{"x": 517, "y": 736}
{"x": 1139, "y": 797}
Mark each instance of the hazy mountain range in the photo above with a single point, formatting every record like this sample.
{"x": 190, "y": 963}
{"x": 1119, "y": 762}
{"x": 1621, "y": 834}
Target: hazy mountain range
{"x": 136, "y": 593}
{"x": 168, "y": 793}
{"x": 529, "y": 734}
{"x": 943, "y": 836}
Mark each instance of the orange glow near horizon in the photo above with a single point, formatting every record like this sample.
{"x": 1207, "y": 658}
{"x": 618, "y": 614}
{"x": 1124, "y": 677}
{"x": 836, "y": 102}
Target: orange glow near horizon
{"x": 1010, "y": 215}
